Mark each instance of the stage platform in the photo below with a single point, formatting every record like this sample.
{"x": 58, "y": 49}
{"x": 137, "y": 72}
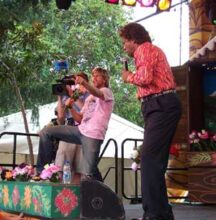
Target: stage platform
{"x": 181, "y": 211}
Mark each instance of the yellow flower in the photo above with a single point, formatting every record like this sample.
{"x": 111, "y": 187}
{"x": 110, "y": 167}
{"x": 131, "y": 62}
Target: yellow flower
{"x": 8, "y": 175}
{"x": 27, "y": 196}
{"x": 5, "y": 195}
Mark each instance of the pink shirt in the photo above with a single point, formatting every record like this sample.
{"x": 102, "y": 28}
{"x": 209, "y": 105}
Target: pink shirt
{"x": 96, "y": 115}
{"x": 153, "y": 73}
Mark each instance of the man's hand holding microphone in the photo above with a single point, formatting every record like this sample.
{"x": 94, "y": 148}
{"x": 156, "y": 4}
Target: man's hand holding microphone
{"x": 125, "y": 71}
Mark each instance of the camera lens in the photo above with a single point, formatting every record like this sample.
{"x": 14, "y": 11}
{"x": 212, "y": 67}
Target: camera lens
{"x": 59, "y": 89}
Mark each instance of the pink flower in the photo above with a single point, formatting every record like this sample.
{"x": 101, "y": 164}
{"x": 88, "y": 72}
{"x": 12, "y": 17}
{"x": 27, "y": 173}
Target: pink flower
{"x": 134, "y": 166}
{"x": 30, "y": 170}
{"x": 46, "y": 174}
{"x": 53, "y": 168}
{"x": 23, "y": 172}
{"x": 214, "y": 137}
{"x": 193, "y": 134}
{"x": 51, "y": 172}
{"x": 202, "y": 141}
{"x": 203, "y": 134}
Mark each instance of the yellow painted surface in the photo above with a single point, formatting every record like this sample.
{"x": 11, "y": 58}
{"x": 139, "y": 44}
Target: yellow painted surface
{"x": 200, "y": 27}
{"x": 10, "y": 216}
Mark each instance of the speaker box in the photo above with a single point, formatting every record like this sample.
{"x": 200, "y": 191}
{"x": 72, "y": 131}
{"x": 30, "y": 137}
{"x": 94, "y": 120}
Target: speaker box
{"x": 98, "y": 201}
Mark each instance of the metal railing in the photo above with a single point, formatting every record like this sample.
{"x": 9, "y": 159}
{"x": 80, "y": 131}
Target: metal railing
{"x": 116, "y": 162}
{"x": 136, "y": 198}
{"x": 15, "y": 134}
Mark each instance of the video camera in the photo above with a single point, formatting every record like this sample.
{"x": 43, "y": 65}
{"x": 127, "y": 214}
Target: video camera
{"x": 60, "y": 87}
{"x": 62, "y": 66}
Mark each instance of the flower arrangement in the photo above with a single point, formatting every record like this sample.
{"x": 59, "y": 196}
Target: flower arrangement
{"x": 76, "y": 92}
{"x": 25, "y": 172}
{"x": 135, "y": 155}
{"x": 202, "y": 141}
{"x": 51, "y": 173}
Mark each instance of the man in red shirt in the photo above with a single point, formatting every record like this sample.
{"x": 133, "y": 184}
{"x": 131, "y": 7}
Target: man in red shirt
{"x": 161, "y": 111}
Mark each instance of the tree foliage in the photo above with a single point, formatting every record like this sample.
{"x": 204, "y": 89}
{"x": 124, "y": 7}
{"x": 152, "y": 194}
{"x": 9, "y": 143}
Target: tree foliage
{"x": 34, "y": 33}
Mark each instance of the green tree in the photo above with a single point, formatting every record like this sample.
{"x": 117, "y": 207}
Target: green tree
{"x": 34, "y": 34}
{"x": 20, "y": 40}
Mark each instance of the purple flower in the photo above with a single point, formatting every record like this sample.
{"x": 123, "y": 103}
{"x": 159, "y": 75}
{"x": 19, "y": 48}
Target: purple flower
{"x": 23, "y": 172}
{"x": 214, "y": 137}
{"x": 202, "y": 141}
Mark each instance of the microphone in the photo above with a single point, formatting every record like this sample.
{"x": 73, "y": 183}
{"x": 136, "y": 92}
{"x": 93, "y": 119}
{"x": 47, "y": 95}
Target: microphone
{"x": 125, "y": 63}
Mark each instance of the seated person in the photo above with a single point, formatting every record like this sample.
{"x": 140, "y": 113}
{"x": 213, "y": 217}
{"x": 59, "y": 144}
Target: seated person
{"x": 68, "y": 151}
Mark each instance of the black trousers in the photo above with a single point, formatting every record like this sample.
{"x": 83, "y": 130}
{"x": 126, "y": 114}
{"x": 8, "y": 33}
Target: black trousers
{"x": 161, "y": 115}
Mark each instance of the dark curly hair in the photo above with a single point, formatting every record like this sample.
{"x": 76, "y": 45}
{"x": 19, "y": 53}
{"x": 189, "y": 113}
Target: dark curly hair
{"x": 136, "y": 32}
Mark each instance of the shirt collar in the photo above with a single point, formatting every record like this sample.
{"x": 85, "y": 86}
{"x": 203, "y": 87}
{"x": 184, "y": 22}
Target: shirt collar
{"x": 139, "y": 48}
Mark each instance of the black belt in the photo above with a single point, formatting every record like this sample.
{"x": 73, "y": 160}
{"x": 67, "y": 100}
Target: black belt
{"x": 149, "y": 97}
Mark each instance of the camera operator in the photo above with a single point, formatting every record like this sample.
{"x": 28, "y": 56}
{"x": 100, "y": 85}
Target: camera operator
{"x": 93, "y": 118}
{"x": 62, "y": 150}
{"x": 63, "y": 116}
{"x": 63, "y": 92}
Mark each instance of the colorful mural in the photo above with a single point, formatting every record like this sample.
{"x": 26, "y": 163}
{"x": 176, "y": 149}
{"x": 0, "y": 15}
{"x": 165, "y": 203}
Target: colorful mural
{"x": 41, "y": 199}
{"x": 200, "y": 27}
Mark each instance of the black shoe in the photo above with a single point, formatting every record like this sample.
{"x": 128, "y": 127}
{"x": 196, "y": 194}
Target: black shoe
{"x": 146, "y": 218}
{"x": 137, "y": 219}
{"x": 169, "y": 216}
{"x": 149, "y": 218}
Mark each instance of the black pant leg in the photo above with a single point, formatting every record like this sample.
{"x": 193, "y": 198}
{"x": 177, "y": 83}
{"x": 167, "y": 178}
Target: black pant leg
{"x": 45, "y": 151}
{"x": 161, "y": 116}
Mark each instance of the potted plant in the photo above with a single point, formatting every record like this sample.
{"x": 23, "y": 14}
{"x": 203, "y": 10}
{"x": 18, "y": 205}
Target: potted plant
{"x": 202, "y": 166}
